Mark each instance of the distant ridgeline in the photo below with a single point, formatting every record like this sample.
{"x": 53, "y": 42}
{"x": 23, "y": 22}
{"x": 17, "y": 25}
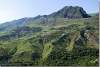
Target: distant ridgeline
{"x": 69, "y": 12}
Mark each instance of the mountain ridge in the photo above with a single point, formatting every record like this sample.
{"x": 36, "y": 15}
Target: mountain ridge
{"x": 69, "y": 12}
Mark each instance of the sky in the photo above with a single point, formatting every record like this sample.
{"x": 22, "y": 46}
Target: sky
{"x": 16, "y": 9}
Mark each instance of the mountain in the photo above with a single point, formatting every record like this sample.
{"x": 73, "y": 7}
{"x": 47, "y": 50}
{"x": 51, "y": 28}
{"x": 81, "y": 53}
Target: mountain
{"x": 58, "y": 39}
{"x": 69, "y": 12}
{"x": 14, "y": 24}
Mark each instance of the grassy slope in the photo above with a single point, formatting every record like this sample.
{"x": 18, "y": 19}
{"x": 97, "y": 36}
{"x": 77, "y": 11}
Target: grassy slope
{"x": 25, "y": 48}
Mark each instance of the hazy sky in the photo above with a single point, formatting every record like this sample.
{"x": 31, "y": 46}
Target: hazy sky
{"x": 15, "y": 9}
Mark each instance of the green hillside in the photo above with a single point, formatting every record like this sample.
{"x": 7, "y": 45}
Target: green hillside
{"x": 62, "y": 42}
